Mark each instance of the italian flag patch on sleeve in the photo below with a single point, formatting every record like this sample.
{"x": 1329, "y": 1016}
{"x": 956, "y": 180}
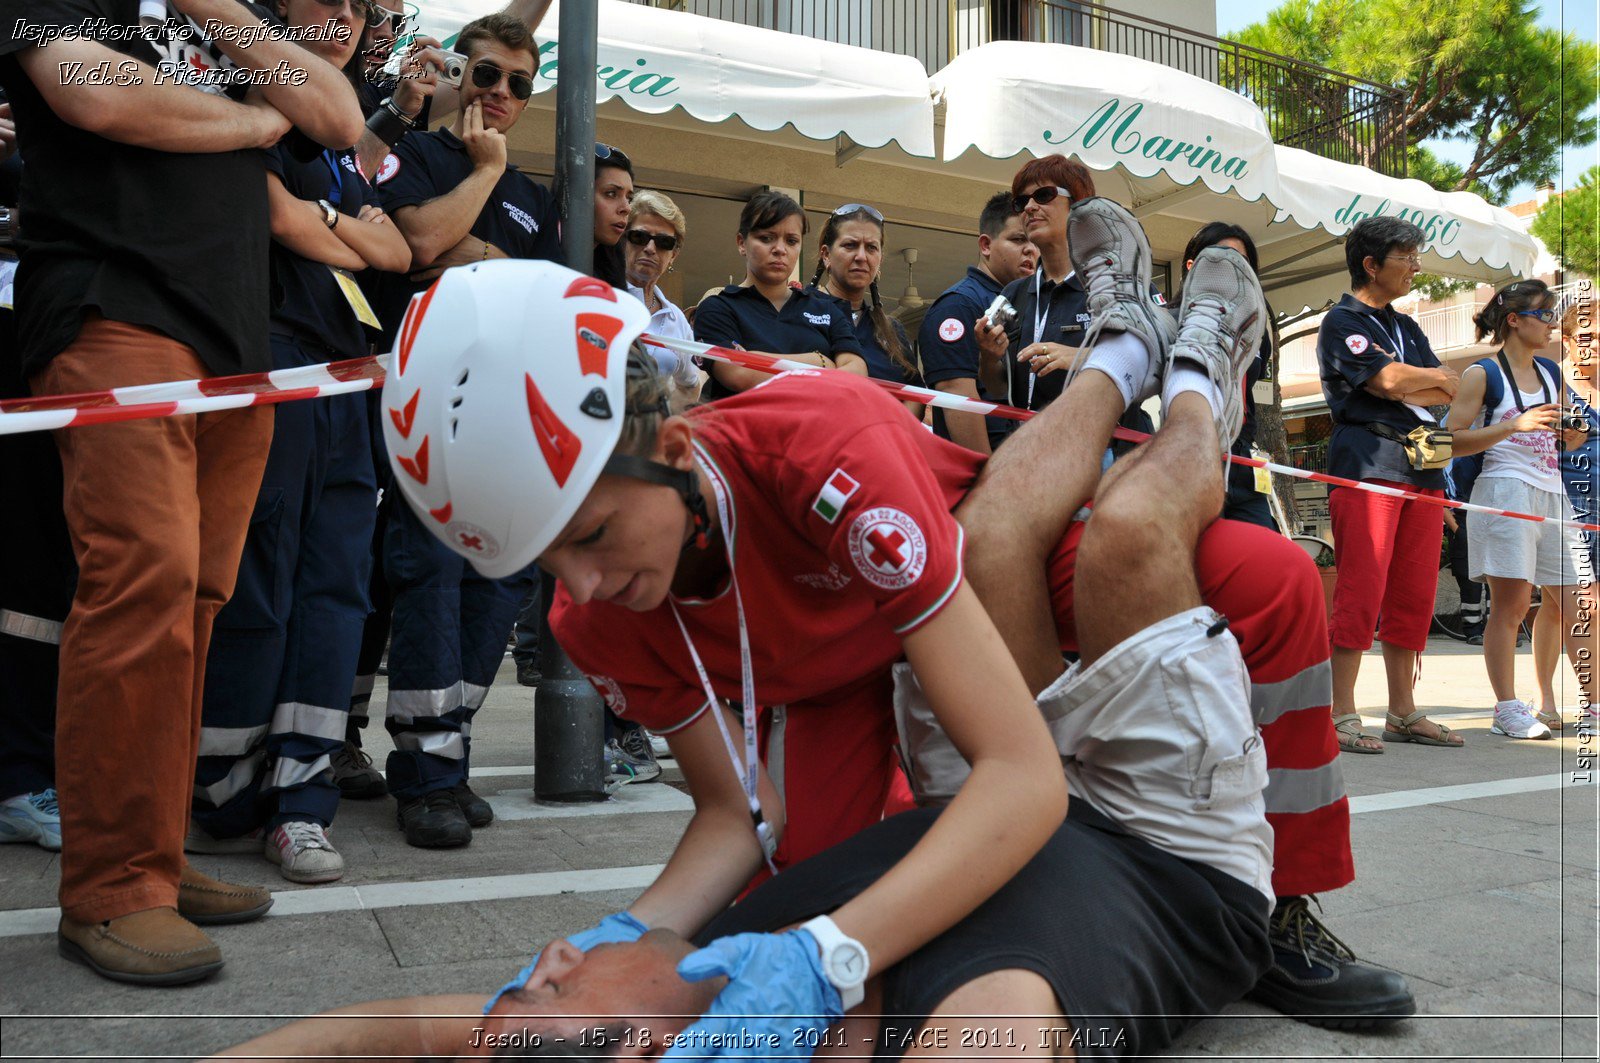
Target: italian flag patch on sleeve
{"x": 834, "y": 494}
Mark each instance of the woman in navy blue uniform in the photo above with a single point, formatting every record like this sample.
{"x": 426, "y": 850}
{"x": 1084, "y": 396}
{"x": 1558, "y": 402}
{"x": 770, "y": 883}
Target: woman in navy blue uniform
{"x": 766, "y": 313}
{"x": 284, "y": 648}
{"x": 851, "y": 257}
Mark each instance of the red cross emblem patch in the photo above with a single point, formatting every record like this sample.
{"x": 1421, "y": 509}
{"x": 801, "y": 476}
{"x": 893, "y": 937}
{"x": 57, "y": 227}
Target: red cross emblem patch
{"x": 469, "y": 539}
{"x": 888, "y": 548}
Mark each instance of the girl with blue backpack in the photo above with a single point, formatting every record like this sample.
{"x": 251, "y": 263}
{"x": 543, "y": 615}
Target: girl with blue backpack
{"x": 1508, "y": 409}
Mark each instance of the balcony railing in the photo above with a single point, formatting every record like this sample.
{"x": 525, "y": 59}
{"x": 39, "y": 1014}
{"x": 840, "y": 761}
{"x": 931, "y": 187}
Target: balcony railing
{"x": 1307, "y": 106}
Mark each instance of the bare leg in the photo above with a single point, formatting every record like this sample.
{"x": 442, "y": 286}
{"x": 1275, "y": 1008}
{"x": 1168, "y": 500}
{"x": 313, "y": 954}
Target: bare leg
{"x": 965, "y": 1015}
{"x": 1547, "y": 644}
{"x": 1346, "y": 668}
{"x": 1508, "y": 604}
{"x": 1012, "y": 525}
{"x": 1136, "y": 561}
{"x": 1575, "y": 606}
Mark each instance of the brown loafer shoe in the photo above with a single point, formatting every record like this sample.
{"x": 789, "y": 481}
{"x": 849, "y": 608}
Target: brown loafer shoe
{"x": 206, "y": 901}
{"x": 153, "y": 947}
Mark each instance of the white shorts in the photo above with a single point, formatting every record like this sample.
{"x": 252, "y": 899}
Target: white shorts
{"x": 1547, "y": 553}
{"x": 1157, "y": 735}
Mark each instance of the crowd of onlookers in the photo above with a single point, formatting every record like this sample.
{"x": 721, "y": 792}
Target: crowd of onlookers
{"x": 195, "y": 608}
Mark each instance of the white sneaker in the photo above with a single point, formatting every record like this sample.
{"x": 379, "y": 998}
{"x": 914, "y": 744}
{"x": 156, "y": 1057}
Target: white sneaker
{"x": 1515, "y": 719}
{"x": 32, "y": 818}
{"x": 304, "y": 852}
{"x": 658, "y": 745}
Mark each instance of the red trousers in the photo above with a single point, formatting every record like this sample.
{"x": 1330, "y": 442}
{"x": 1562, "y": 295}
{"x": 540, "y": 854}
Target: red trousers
{"x": 1387, "y": 550}
{"x": 158, "y": 511}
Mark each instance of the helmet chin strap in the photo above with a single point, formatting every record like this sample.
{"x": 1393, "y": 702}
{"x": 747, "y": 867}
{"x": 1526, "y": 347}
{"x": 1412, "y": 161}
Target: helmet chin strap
{"x": 684, "y": 481}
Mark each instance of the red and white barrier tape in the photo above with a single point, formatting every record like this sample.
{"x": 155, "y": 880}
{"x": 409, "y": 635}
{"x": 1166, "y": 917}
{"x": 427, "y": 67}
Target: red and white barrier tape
{"x": 181, "y": 397}
{"x": 768, "y": 364}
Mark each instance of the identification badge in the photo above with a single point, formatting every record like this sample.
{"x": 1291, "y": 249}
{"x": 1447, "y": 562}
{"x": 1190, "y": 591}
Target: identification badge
{"x": 1263, "y": 481}
{"x": 355, "y": 297}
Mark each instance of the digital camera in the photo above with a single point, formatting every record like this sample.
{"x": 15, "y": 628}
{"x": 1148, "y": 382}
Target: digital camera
{"x": 455, "y": 67}
{"x": 1000, "y": 313}
{"x": 1573, "y": 421}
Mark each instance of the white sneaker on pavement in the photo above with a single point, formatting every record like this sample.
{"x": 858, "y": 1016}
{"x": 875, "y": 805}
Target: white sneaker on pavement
{"x": 1515, "y": 719}
{"x": 304, "y": 853}
{"x": 32, "y": 817}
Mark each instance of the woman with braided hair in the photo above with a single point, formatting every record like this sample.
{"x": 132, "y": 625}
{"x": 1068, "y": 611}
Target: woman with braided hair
{"x": 850, "y": 258}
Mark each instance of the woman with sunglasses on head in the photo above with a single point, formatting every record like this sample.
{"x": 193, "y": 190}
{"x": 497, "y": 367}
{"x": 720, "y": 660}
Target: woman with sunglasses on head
{"x": 613, "y": 196}
{"x": 1508, "y": 408}
{"x": 851, "y": 258}
{"x": 767, "y": 312}
{"x": 656, "y": 232}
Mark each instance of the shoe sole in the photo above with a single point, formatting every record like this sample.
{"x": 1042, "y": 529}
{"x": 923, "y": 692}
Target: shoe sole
{"x": 1494, "y": 729}
{"x": 226, "y": 918}
{"x": 364, "y": 791}
{"x": 1371, "y": 1016}
{"x": 71, "y": 950}
{"x": 303, "y": 877}
{"x": 223, "y": 846}
{"x": 10, "y": 834}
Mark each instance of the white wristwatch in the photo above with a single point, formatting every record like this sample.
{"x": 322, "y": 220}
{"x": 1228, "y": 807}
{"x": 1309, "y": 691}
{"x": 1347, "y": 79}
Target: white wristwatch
{"x": 844, "y": 959}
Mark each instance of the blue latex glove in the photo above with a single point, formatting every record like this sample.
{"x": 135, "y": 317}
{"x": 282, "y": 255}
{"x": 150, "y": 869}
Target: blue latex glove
{"x": 613, "y": 929}
{"x": 774, "y": 975}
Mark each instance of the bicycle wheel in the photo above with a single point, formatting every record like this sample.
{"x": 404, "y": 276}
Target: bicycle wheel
{"x": 1447, "y": 607}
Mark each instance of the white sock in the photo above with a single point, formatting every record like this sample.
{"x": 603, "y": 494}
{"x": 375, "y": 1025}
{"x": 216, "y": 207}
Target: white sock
{"x": 1185, "y": 376}
{"x": 1125, "y": 359}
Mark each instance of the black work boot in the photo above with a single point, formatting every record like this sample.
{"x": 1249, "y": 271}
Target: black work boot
{"x": 1315, "y": 977}
{"x": 475, "y": 808}
{"x": 434, "y": 821}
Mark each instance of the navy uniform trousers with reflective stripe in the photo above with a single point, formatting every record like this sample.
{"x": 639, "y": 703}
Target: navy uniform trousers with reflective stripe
{"x": 283, "y": 652}
{"x": 448, "y": 639}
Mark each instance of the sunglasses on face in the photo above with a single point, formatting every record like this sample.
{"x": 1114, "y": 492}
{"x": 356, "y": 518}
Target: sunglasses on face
{"x": 1547, "y": 317}
{"x": 487, "y": 76}
{"x": 1041, "y": 196}
{"x": 398, "y": 19}
{"x": 663, "y": 241}
{"x": 859, "y": 208}
{"x": 365, "y": 10}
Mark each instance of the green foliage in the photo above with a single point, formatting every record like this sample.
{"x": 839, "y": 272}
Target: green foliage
{"x": 1478, "y": 71}
{"x": 1569, "y": 225}
{"x": 1439, "y": 288}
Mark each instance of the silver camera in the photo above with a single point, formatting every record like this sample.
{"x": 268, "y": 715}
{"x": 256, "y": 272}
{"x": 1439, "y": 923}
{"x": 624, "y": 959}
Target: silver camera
{"x": 455, "y": 67}
{"x": 1000, "y": 313}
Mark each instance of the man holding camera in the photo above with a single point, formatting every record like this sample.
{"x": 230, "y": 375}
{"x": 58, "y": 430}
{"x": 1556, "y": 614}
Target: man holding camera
{"x": 456, "y": 201}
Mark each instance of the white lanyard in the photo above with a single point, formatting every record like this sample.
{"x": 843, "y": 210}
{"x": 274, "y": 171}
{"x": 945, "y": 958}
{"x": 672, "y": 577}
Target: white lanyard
{"x": 746, "y": 771}
{"x": 1040, "y": 312}
{"x": 1398, "y": 339}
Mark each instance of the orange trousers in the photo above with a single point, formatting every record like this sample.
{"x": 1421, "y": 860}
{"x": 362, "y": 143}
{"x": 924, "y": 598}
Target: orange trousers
{"x": 158, "y": 511}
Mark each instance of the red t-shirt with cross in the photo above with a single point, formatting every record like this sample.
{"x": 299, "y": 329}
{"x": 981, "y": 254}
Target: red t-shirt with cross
{"x": 838, "y": 508}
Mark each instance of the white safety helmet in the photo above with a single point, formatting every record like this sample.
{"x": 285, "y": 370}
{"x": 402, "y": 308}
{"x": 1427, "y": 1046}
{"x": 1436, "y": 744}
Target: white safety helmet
{"x": 504, "y": 400}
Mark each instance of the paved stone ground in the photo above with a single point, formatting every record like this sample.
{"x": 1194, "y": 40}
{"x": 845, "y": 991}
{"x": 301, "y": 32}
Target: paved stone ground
{"x": 1483, "y": 895}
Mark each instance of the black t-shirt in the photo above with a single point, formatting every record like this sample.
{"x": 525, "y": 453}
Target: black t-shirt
{"x": 1064, "y": 319}
{"x": 176, "y": 243}
{"x": 521, "y": 217}
{"x": 306, "y": 300}
{"x": 810, "y": 320}
{"x": 1354, "y": 343}
{"x": 947, "y": 344}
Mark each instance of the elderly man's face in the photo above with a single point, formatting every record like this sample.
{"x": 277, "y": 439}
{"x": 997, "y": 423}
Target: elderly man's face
{"x": 635, "y": 985}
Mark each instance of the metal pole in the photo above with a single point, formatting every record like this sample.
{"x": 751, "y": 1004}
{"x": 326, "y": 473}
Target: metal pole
{"x": 569, "y": 717}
